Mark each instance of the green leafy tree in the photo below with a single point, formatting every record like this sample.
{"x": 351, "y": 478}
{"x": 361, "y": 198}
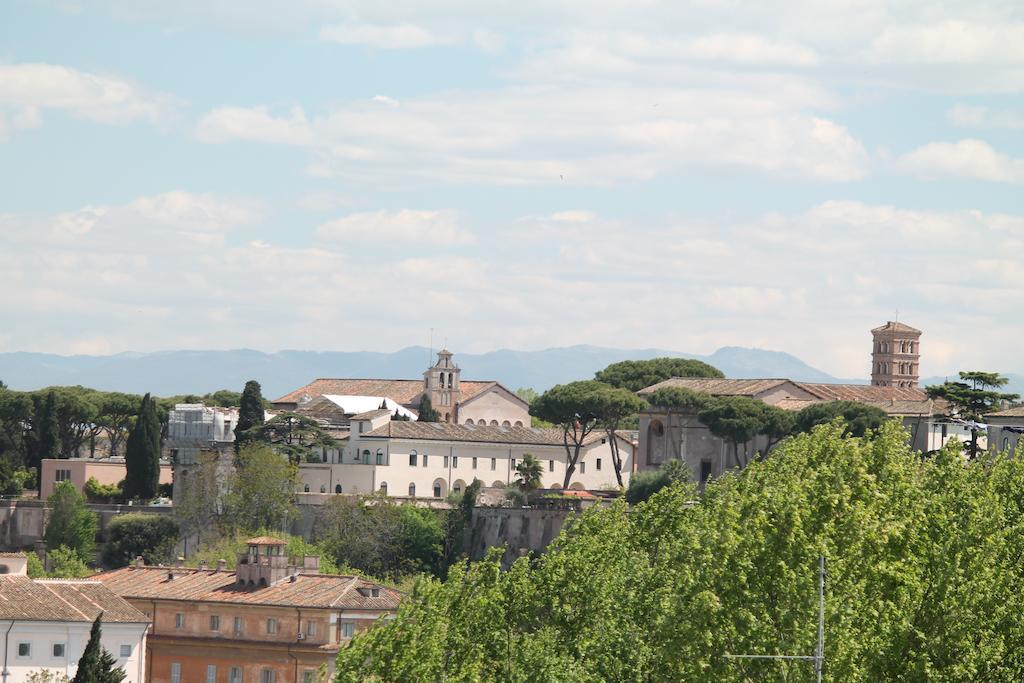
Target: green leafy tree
{"x": 47, "y": 429}
{"x": 95, "y": 492}
{"x": 200, "y": 507}
{"x": 923, "y": 565}
{"x": 71, "y": 523}
{"x": 16, "y": 424}
{"x": 970, "y": 398}
{"x": 291, "y": 434}
{"x": 142, "y": 455}
{"x": 97, "y": 665}
{"x": 151, "y": 537}
{"x": 575, "y": 409}
{"x": 776, "y": 424}
{"x": 66, "y": 564}
{"x": 47, "y": 676}
{"x": 426, "y": 412}
{"x": 615, "y": 407}
{"x": 261, "y": 490}
{"x": 115, "y": 416}
{"x": 225, "y": 398}
{"x": 858, "y": 417}
{"x": 530, "y": 472}
{"x": 12, "y": 482}
{"x": 643, "y": 485}
{"x": 735, "y": 419}
{"x": 250, "y": 414}
{"x": 635, "y": 375}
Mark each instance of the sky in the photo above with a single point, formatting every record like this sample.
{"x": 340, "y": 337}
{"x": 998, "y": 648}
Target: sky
{"x": 350, "y": 175}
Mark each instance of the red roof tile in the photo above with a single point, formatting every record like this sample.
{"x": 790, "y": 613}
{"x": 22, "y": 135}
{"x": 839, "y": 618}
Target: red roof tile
{"x": 404, "y": 391}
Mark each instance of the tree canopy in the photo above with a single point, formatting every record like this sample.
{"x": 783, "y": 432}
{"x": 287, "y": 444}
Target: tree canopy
{"x": 575, "y": 408}
{"x": 290, "y": 434}
{"x": 858, "y": 417}
{"x": 260, "y": 492}
{"x": 425, "y": 411}
{"x": 923, "y": 580}
{"x": 635, "y": 375}
{"x": 151, "y": 537}
{"x": 71, "y": 524}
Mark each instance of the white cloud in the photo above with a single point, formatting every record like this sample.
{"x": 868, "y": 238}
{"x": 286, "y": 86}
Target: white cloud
{"x": 969, "y": 116}
{"x": 257, "y": 123}
{"x": 973, "y": 159}
{"x": 394, "y": 227}
{"x": 384, "y": 99}
{"x": 951, "y": 42}
{"x": 573, "y": 216}
{"x": 26, "y": 89}
{"x": 394, "y": 37}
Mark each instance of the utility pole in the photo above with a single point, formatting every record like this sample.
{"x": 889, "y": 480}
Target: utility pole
{"x": 819, "y": 651}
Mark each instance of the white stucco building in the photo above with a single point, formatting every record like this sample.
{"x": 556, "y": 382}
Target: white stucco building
{"x": 432, "y": 459}
{"x": 45, "y": 624}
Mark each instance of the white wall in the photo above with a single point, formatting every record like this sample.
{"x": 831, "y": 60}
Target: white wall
{"x": 494, "y": 406}
{"x": 42, "y": 635}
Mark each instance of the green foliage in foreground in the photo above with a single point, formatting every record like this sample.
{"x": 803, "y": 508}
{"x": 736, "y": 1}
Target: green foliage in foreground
{"x": 924, "y": 575}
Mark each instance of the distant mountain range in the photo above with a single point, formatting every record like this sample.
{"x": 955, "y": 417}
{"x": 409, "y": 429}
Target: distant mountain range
{"x": 167, "y": 373}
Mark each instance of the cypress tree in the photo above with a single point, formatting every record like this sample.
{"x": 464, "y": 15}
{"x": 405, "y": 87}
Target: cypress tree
{"x": 142, "y": 454}
{"x": 49, "y": 429}
{"x": 426, "y": 411}
{"x": 250, "y": 412}
{"x": 97, "y": 665}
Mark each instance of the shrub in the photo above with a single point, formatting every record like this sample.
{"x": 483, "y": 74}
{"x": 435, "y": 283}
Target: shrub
{"x": 129, "y": 536}
{"x": 95, "y": 492}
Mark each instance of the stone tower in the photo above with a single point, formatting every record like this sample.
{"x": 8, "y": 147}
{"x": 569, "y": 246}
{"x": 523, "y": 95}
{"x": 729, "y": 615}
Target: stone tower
{"x": 442, "y": 385}
{"x": 895, "y": 355}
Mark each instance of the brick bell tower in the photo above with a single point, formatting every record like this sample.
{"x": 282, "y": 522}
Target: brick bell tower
{"x": 441, "y": 383}
{"x": 895, "y": 355}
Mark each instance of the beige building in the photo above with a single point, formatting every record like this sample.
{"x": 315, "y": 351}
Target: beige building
{"x": 430, "y": 460}
{"x": 273, "y": 619}
{"x": 109, "y": 471}
{"x": 457, "y": 401}
{"x": 46, "y": 624}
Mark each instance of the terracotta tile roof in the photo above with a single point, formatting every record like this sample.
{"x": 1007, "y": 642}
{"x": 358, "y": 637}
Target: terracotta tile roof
{"x": 209, "y": 585}
{"x": 862, "y": 393}
{"x": 717, "y": 386}
{"x": 63, "y": 600}
{"x": 892, "y": 326}
{"x": 404, "y": 391}
{"x": 442, "y": 431}
{"x": 1017, "y": 411}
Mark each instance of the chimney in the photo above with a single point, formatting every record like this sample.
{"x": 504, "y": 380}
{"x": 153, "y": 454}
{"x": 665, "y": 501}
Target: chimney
{"x": 180, "y": 562}
{"x": 310, "y": 564}
{"x": 139, "y": 562}
{"x": 222, "y": 565}
{"x": 202, "y": 564}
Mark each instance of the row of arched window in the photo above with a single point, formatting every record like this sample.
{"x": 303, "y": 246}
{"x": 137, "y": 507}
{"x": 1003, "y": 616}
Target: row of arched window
{"x": 898, "y": 368}
{"x": 493, "y": 423}
{"x": 897, "y": 347}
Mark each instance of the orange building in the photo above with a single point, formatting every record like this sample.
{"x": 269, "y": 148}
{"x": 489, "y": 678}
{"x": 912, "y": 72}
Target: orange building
{"x": 272, "y": 620}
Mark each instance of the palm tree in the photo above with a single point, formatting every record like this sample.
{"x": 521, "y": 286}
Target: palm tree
{"x": 529, "y": 470}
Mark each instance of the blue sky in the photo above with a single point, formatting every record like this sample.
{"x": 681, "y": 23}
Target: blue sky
{"x": 319, "y": 174}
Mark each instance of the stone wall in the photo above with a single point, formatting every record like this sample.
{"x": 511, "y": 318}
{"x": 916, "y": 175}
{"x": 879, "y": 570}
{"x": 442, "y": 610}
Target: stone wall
{"x": 22, "y": 522}
{"x": 520, "y": 530}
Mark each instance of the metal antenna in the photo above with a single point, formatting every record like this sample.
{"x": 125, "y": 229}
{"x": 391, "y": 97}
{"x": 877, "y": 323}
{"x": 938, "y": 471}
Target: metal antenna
{"x": 819, "y": 652}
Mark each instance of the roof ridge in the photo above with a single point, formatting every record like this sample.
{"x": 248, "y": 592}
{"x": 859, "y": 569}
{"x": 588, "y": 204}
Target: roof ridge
{"x": 61, "y": 598}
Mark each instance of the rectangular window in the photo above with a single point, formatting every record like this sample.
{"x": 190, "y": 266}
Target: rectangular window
{"x": 597, "y": 464}
{"x": 239, "y": 626}
{"x": 412, "y": 459}
{"x": 309, "y": 676}
{"x": 494, "y": 464}
{"x": 211, "y": 673}
{"x": 62, "y": 475}
{"x": 175, "y": 672}
{"x": 474, "y": 463}
{"x": 424, "y": 459}
{"x": 583, "y": 468}
{"x": 705, "y": 470}
{"x": 234, "y": 675}
{"x": 179, "y": 620}
{"x": 311, "y": 629}
{"x": 58, "y": 650}
{"x": 944, "y": 431}
{"x": 214, "y": 622}
{"x": 446, "y": 462}
{"x": 268, "y": 676}
{"x": 271, "y": 625}
{"x": 348, "y": 629}
{"x": 513, "y": 463}
{"x": 551, "y": 465}
{"x": 126, "y": 651}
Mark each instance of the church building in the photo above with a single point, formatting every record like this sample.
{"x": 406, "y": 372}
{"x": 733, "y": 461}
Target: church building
{"x": 457, "y": 401}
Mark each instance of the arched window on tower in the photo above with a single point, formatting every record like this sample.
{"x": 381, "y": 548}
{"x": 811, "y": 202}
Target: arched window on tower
{"x": 449, "y": 380}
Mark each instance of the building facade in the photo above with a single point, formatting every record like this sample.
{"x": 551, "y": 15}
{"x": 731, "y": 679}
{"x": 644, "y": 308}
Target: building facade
{"x": 46, "y": 624}
{"x": 895, "y": 355}
{"x": 1006, "y": 429}
{"x": 109, "y": 471}
{"x": 431, "y": 460}
{"x": 456, "y": 400}
{"x": 273, "y": 619}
